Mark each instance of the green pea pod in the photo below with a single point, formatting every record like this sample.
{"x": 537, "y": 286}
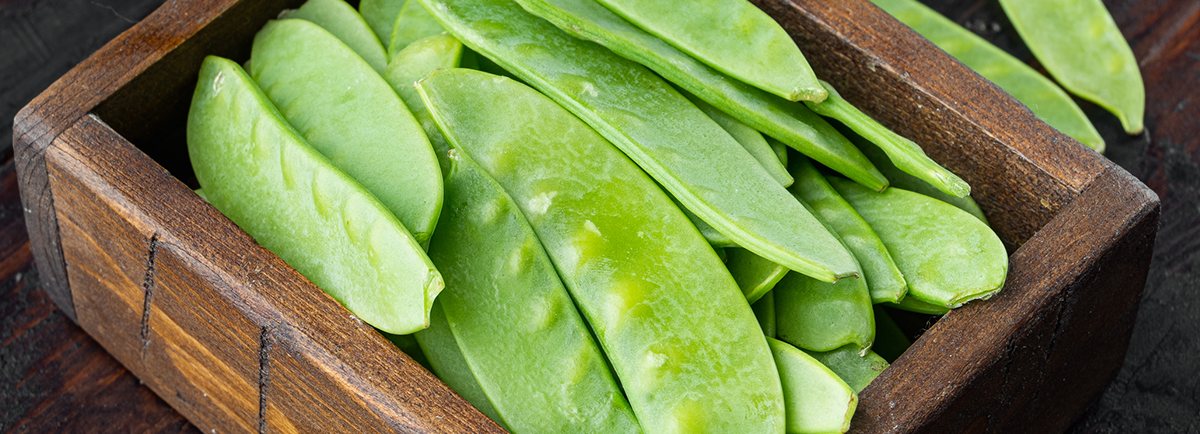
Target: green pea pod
{"x": 413, "y": 63}
{"x": 340, "y": 19}
{"x": 380, "y": 15}
{"x": 685, "y": 151}
{"x": 817, "y": 400}
{"x": 856, "y": 370}
{"x": 445, "y": 357}
{"x": 748, "y": 137}
{"x": 947, "y": 257}
{"x": 1044, "y": 98}
{"x": 884, "y": 280}
{"x": 514, "y": 322}
{"x": 345, "y": 110}
{"x": 1081, "y": 46}
{"x": 318, "y": 220}
{"x": 780, "y": 151}
{"x": 791, "y": 123}
{"x": 412, "y": 23}
{"x": 915, "y": 304}
{"x": 680, "y": 336}
{"x": 764, "y": 310}
{"x": 903, "y": 153}
{"x": 821, "y": 316}
{"x": 890, "y": 341}
{"x": 755, "y": 275}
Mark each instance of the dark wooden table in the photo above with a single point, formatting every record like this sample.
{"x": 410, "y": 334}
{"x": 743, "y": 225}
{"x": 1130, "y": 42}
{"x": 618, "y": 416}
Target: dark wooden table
{"x": 54, "y": 378}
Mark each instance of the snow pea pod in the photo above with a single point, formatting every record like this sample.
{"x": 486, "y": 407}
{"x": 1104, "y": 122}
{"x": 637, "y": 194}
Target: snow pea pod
{"x": 412, "y": 23}
{"x": 915, "y": 304}
{"x": 908, "y": 182}
{"x": 764, "y": 310}
{"x": 380, "y": 15}
{"x": 513, "y": 319}
{"x": 890, "y": 341}
{"x": 885, "y": 281}
{"x": 1081, "y": 46}
{"x": 413, "y": 63}
{"x": 822, "y": 316}
{"x": 340, "y": 19}
{"x": 445, "y": 357}
{"x": 755, "y": 275}
{"x": 947, "y": 257}
{"x": 858, "y": 371}
{"x": 345, "y": 110}
{"x": 750, "y": 139}
{"x": 817, "y": 400}
{"x": 319, "y": 221}
{"x": 791, "y": 123}
{"x": 903, "y": 153}
{"x": 680, "y": 336}
{"x": 1045, "y": 99}
{"x": 685, "y": 151}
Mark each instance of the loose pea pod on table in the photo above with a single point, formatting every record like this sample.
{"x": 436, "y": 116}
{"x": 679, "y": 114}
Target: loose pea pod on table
{"x": 685, "y": 151}
{"x": 818, "y": 401}
{"x": 1044, "y": 98}
{"x": 318, "y": 220}
{"x": 681, "y": 338}
{"x": 793, "y": 124}
{"x": 412, "y": 23}
{"x": 340, "y": 19}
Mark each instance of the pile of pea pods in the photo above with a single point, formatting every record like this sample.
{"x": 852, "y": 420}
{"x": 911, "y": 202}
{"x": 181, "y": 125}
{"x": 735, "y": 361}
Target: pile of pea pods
{"x": 591, "y": 215}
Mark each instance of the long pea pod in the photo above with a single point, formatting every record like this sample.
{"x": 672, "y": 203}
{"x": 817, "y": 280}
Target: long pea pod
{"x": 755, "y": 275}
{"x": 345, "y": 110}
{"x": 673, "y": 141}
{"x": 890, "y": 341}
{"x": 903, "y": 153}
{"x": 750, "y": 139}
{"x": 1044, "y": 98}
{"x": 318, "y": 220}
{"x": 858, "y": 371}
{"x": 445, "y": 357}
{"x": 791, "y": 123}
{"x": 413, "y": 63}
{"x": 380, "y": 15}
{"x": 818, "y": 401}
{"x": 340, "y": 19}
{"x": 681, "y": 338}
{"x": 1081, "y": 46}
{"x": 412, "y": 24}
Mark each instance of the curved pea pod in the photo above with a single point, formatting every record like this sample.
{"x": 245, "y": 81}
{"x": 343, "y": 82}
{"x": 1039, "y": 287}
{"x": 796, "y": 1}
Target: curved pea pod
{"x": 908, "y": 182}
{"x": 764, "y": 310}
{"x": 413, "y": 63}
{"x": 884, "y": 280}
{"x": 1044, "y": 98}
{"x": 1081, "y": 46}
{"x": 903, "y": 153}
{"x": 791, "y": 123}
{"x": 345, "y": 110}
{"x": 890, "y": 341}
{"x": 340, "y": 19}
{"x": 748, "y": 137}
{"x": 380, "y": 15}
{"x": 445, "y": 357}
{"x": 514, "y": 321}
{"x": 858, "y": 371}
{"x": 817, "y": 400}
{"x": 319, "y": 221}
{"x": 681, "y": 338}
{"x": 947, "y": 256}
{"x": 755, "y": 275}
{"x": 915, "y": 304}
{"x": 821, "y": 316}
{"x": 673, "y": 141}
{"x": 412, "y": 24}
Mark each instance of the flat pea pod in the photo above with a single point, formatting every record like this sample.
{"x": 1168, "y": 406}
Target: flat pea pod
{"x": 748, "y": 137}
{"x": 516, "y": 325}
{"x": 817, "y": 400}
{"x": 884, "y": 280}
{"x": 903, "y": 153}
{"x": 413, "y": 63}
{"x": 1081, "y": 46}
{"x": 791, "y": 123}
{"x": 822, "y": 316}
{"x": 673, "y": 141}
{"x": 680, "y": 336}
{"x": 915, "y": 304}
{"x": 345, "y": 110}
{"x": 380, "y": 15}
{"x": 764, "y": 310}
{"x": 1045, "y": 99}
{"x": 732, "y": 36}
{"x": 319, "y": 220}
{"x": 445, "y": 357}
{"x": 755, "y": 275}
{"x": 890, "y": 341}
{"x": 947, "y": 257}
{"x": 340, "y": 19}
{"x": 412, "y": 23}
{"x": 858, "y": 371}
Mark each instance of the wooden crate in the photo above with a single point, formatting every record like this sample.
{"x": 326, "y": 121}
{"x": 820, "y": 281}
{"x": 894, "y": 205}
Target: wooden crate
{"x": 236, "y": 340}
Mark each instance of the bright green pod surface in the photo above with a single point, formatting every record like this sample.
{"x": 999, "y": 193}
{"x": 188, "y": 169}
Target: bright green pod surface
{"x": 753, "y": 274}
{"x": 318, "y": 220}
{"x": 513, "y": 319}
{"x": 340, "y": 19}
{"x": 748, "y": 137}
{"x": 890, "y": 341}
{"x": 900, "y": 179}
{"x": 821, "y": 316}
{"x": 681, "y": 338}
{"x": 903, "y": 153}
{"x": 685, "y": 151}
{"x": 445, "y": 357}
{"x": 380, "y": 15}
{"x": 817, "y": 400}
{"x": 413, "y": 23}
{"x": 856, "y": 370}
{"x": 947, "y": 256}
{"x": 1047, "y": 101}
{"x": 1081, "y": 46}
{"x": 345, "y": 110}
{"x": 764, "y": 310}
{"x": 731, "y": 36}
{"x": 791, "y": 123}
{"x": 413, "y": 63}
{"x": 884, "y": 280}
{"x": 915, "y": 304}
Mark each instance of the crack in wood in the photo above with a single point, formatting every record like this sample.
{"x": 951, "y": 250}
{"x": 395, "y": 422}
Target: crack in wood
{"x": 264, "y": 375}
{"x": 148, "y": 286}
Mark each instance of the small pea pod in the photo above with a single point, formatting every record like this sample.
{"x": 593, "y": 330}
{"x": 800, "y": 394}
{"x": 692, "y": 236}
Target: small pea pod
{"x": 413, "y": 63}
{"x": 890, "y": 341}
{"x": 412, "y": 24}
{"x": 319, "y": 220}
{"x": 1045, "y": 99}
{"x": 818, "y": 401}
{"x": 750, "y": 139}
{"x": 858, "y": 371}
{"x": 755, "y": 275}
{"x": 903, "y": 153}
{"x": 340, "y": 19}
{"x": 380, "y": 15}
{"x": 764, "y": 310}
{"x": 1081, "y": 46}
{"x": 822, "y": 316}
{"x": 445, "y": 357}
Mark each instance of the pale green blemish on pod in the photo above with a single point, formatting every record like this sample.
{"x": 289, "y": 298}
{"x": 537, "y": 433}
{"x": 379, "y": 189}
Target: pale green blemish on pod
{"x": 340, "y": 19}
{"x": 755, "y": 275}
{"x": 380, "y": 15}
{"x": 817, "y": 400}
{"x": 239, "y": 143}
{"x": 413, "y": 23}
{"x": 858, "y": 371}
{"x": 413, "y": 63}
{"x": 750, "y": 139}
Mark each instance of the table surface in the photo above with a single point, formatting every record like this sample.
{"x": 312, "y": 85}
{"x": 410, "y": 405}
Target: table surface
{"x": 54, "y": 378}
